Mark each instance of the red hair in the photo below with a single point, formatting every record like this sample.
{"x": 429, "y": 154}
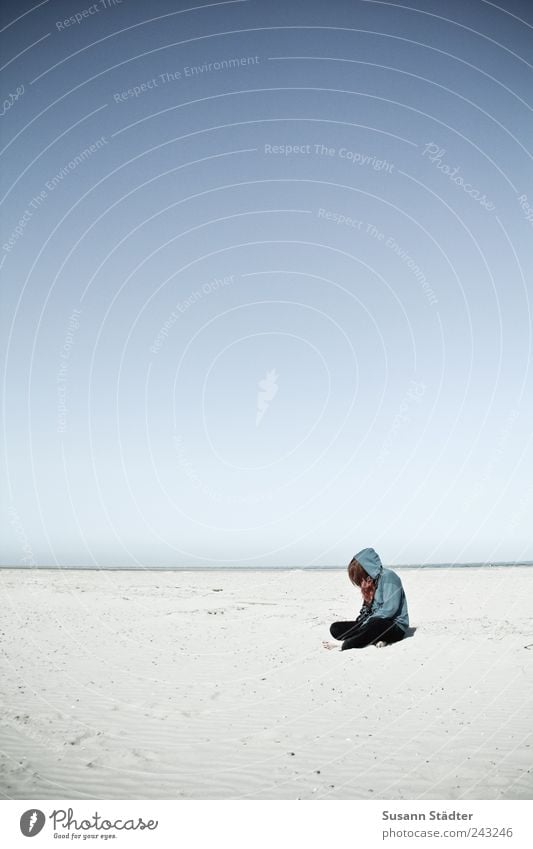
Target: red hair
{"x": 356, "y": 573}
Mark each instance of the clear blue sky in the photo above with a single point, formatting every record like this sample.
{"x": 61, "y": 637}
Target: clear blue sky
{"x": 266, "y": 273}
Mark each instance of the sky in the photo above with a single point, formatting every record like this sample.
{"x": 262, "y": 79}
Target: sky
{"x": 265, "y": 282}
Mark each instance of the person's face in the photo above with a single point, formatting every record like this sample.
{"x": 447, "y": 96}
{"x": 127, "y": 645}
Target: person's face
{"x": 367, "y": 583}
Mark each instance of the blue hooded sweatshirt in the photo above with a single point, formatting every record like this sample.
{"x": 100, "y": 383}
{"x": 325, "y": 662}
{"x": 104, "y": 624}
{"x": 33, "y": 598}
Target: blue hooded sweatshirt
{"x": 389, "y": 598}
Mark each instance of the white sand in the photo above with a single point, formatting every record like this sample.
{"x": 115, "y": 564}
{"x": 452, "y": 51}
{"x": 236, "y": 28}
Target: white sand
{"x": 153, "y": 685}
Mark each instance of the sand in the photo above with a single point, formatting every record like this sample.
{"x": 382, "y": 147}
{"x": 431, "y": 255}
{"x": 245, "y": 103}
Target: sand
{"x": 215, "y": 685}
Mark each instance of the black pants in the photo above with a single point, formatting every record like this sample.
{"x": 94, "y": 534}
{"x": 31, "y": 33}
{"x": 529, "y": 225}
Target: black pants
{"x": 358, "y": 636}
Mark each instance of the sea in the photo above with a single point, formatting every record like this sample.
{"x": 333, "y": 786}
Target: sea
{"x": 281, "y": 568}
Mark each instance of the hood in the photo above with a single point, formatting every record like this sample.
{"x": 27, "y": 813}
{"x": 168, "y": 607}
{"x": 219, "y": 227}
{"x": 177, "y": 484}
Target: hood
{"x": 369, "y": 560}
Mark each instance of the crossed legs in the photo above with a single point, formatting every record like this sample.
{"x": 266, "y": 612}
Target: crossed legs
{"x": 358, "y": 636}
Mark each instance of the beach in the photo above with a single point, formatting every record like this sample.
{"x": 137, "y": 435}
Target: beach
{"x": 215, "y": 685}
